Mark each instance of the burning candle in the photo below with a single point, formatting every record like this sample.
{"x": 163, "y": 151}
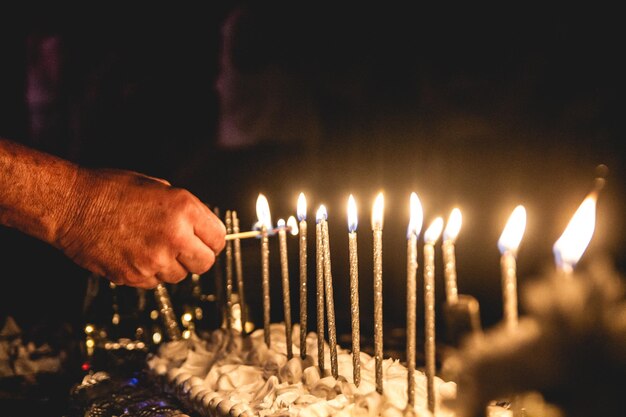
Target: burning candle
{"x": 284, "y": 269}
{"x": 265, "y": 220}
{"x": 430, "y": 238}
{"x": 354, "y": 291}
{"x": 328, "y": 290}
{"x": 450, "y": 234}
{"x": 415, "y": 226}
{"x": 229, "y": 271}
{"x": 508, "y": 244}
{"x": 377, "y": 228}
{"x": 239, "y": 274}
{"x": 292, "y": 226}
{"x": 319, "y": 280}
{"x": 303, "y": 273}
{"x": 569, "y": 248}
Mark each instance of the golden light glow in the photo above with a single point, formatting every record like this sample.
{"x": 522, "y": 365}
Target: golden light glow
{"x": 453, "y": 227}
{"x": 187, "y": 317}
{"x": 292, "y": 224}
{"x": 569, "y": 248}
{"x": 301, "y": 211}
{"x": 154, "y": 314}
{"x": 434, "y": 231}
{"x": 115, "y": 319}
{"x": 89, "y": 328}
{"x": 156, "y": 338}
{"x": 280, "y": 223}
{"x": 263, "y": 212}
{"x": 378, "y": 212}
{"x": 513, "y": 231}
{"x": 90, "y": 342}
{"x": 416, "y": 219}
{"x": 353, "y": 220}
{"x": 321, "y": 213}
{"x": 186, "y": 334}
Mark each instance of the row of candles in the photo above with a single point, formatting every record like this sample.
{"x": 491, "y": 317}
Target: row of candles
{"x": 567, "y": 251}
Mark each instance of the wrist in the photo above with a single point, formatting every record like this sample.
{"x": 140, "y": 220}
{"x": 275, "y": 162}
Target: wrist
{"x": 87, "y": 195}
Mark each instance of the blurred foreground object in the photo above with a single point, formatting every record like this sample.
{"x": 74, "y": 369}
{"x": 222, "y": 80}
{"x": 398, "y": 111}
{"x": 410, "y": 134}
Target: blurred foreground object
{"x": 571, "y": 347}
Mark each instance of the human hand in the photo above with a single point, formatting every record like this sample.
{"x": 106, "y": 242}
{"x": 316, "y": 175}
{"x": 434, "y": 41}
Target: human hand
{"x": 137, "y": 230}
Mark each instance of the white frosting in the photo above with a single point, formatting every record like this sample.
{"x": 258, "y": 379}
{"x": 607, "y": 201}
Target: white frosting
{"x": 234, "y": 376}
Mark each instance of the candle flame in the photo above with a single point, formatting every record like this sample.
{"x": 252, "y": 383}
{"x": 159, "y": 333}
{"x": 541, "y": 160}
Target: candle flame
{"x": 352, "y": 216}
{"x": 263, "y": 212}
{"x": 321, "y": 214}
{"x": 434, "y": 231}
{"x": 280, "y": 223}
{"x": 377, "y": 212}
{"x": 513, "y": 231}
{"x": 454, "y": 225}
{"x": 569, "y": 248}
{"x": 416, "y": 218}
{"x": 301, "y": 207}
{"x": 292, "y": 224}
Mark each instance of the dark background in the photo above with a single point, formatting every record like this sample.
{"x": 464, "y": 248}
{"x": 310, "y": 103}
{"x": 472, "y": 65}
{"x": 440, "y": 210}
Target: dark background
{"x": 484, "y": 109}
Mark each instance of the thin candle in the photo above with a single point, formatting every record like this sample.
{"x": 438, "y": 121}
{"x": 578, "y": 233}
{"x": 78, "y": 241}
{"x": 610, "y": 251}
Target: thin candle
{"x": 508, "y": 244}
{"x": 264, "y": 218}
{"x": 319, "y": 280}
{"x": 328, "y": 290}
{"x": 167, "y": 312}
{"x": 284, "y": 269}
{"x": 415, "y": 227}
{"x": 569, "y": 248}
{"x": 239, "y": 274}
{"x": 430, "y": 238}
{"x": 450, "y": 234}
{"x": 377, "y": 229}
{"x": 354, "y": 291}
{"x": 229, "y": 271}
{"x": 301, "y": 211}
{"x": 219, "y": 280}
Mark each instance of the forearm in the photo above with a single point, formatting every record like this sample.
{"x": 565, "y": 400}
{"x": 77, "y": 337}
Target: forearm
{"x": 35, "y": 190}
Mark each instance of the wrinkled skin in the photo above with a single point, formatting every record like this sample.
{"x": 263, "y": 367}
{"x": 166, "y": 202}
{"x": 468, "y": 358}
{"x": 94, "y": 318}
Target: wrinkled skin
{"x": 139, "y": 231}
{"x": 130, "y": 228}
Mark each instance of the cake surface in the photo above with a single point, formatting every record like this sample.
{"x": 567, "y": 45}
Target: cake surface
{"x": 231, "y": 375}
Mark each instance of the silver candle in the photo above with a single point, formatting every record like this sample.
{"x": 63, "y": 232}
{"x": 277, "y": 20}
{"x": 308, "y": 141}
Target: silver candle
{"x": 415, "y": 226}
{"x": 303, "y": 273}
{"x": 377, "y": 227}
{"x": 508, "y": 244}
{"x": 354, "y": 291}
{"x": 264, "y": 218}
{"x": 430, "y": 238}
{"x": 330, "y": 304}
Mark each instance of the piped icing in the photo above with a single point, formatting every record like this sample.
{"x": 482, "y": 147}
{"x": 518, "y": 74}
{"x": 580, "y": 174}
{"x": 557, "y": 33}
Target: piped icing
{"x": 231, "y": 375}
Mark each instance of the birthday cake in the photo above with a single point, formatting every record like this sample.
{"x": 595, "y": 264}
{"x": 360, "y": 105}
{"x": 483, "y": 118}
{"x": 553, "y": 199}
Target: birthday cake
{"x": 231, "y": 375}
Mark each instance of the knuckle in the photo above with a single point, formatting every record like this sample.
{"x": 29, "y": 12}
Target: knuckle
{"x": 159, "y": 260}
{"x": 207, "y": 263}
{"x": 182, "y": 199}
{"x": 174, "y": 277}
